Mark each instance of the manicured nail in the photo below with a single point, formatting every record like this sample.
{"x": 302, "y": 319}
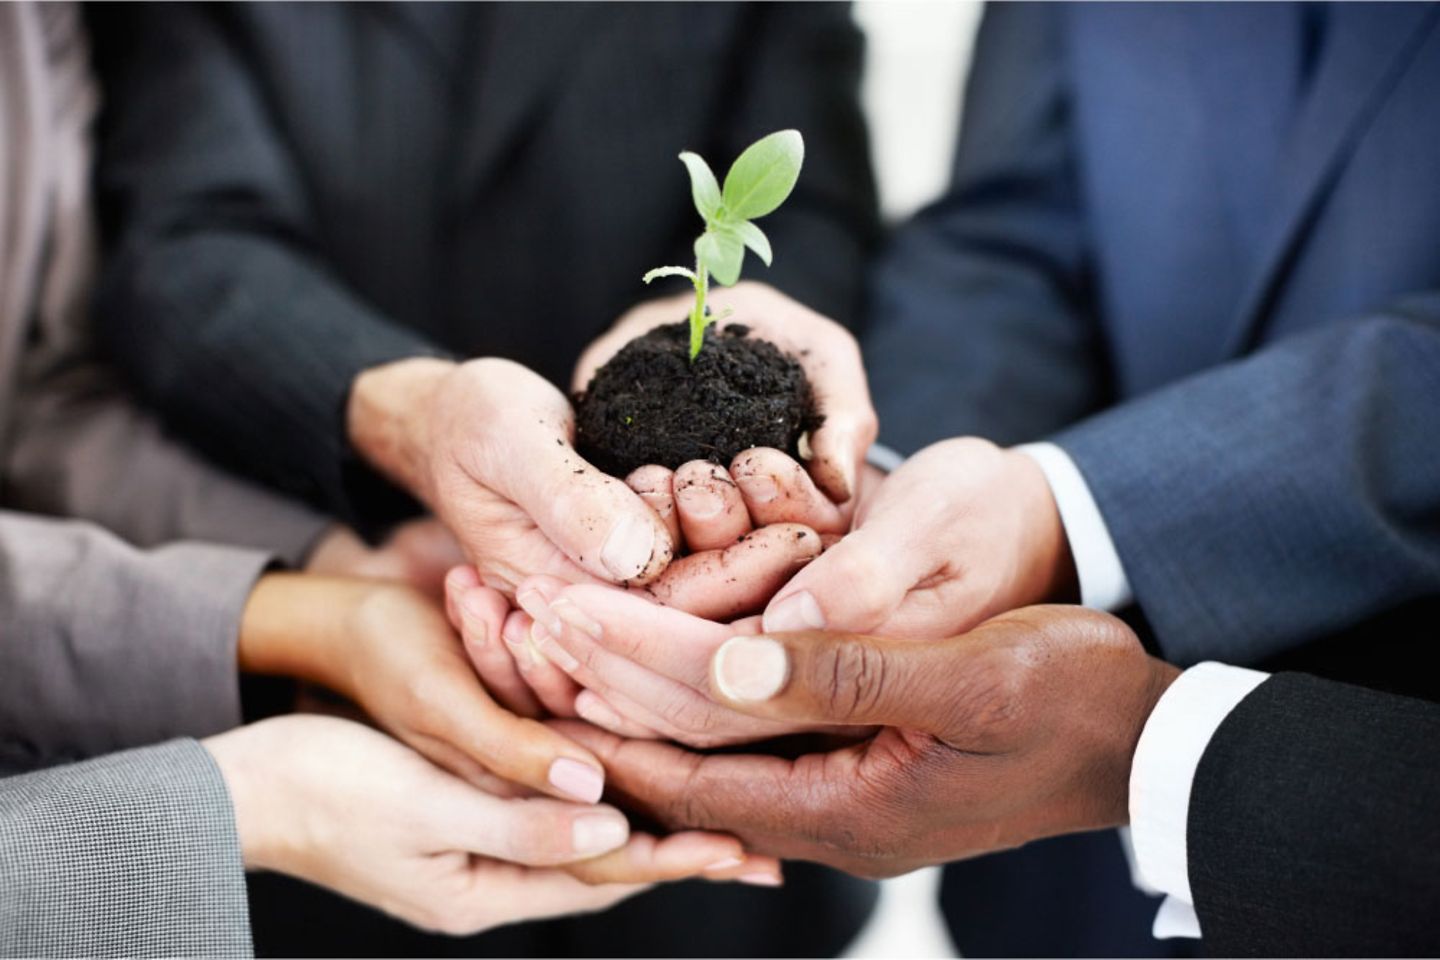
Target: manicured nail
{"x": 796, "y": 612}
{"x": 568, "y": 611}
{"x": 598, "y": 832}
{"x": 593, "y": 709}
{"x": 761, "y": 879}
{"x": 577, "y": 780}
{"x": 760, "y": 488}
{"x": 729, "y": 863}
{"x": 548, "y": 650}
{"x": 700, "y": 502}
{"x": 751, "y": 668}
{"x": 629, "y": 547}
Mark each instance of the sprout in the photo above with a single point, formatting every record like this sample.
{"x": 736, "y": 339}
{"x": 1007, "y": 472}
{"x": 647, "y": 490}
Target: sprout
{"x": 758, "y": 182}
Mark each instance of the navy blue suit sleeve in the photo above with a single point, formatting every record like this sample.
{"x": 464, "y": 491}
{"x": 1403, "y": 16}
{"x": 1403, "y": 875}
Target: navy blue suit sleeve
{"x": 215, "y": 303}
{"x": 981, "y": 316}
{"x": 1285, "y": 496}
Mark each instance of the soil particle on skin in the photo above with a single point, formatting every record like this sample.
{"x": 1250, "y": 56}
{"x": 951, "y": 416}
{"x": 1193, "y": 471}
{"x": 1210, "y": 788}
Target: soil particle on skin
{"x": 649, "y": 404}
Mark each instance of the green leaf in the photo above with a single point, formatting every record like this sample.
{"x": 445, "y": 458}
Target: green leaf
{"x": 702, "y": 185}
{"x": 659, "y": 272}
{"x": 763, "y": 176}
{"x": 721, "y": 252}
{"x": 754, "y": 238}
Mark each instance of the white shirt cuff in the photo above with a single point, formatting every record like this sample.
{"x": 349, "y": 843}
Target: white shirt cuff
{"x": 884, "y": 458}
{"x": 1162, "y": 774}
{"x": 1103, "y": 584}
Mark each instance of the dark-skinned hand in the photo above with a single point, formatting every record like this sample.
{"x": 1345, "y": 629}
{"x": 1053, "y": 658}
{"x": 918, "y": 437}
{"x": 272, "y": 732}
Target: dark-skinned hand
{"x": 1021, "y": 729}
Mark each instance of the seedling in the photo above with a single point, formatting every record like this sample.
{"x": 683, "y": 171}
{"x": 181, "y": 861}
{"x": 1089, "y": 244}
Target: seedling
{"x": 759, "y": 181}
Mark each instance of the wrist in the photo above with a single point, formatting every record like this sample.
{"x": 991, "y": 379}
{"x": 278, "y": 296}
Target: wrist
{"x": 299, "y": 625}
{"x": 387, "y": 418}
{"x": 254, "y": 781}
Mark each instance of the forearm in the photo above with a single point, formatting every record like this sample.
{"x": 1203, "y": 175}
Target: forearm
{"x": 133, "y": 854}
{"x": 107, "y": 647}
{"x": 1279, "y": 498}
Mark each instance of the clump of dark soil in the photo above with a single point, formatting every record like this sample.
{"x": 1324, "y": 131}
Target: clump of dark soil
{"x": 650, "y": 404}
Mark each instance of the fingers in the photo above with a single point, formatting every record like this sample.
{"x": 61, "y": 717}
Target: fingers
{"x": 647, "y": 859}
{"x": 534, "y": 831}
{"x": 549, "y": 684}
{"x": 724, "y": 584}
{"x": 593, "y": 708}
{"x": 712, "y": 513}
{"x": 856, "y": 585}
{"x": 472, "y": 609}
{"x": 598, "y": 521}
{"x": 655, "y": 485}
{"x": 778, "y": 490}
{"x": 838, "y": 678}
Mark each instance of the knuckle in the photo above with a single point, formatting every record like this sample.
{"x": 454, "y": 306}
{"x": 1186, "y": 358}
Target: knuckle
{"x": 851, "y": 677}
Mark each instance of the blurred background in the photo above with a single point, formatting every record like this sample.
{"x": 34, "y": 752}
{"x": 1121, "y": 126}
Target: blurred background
{"x": 912, "y": 45}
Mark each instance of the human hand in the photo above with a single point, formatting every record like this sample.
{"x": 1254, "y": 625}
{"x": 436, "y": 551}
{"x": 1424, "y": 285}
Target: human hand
{"x": 487, "y": 445}
{"x": 960, "y": 532}
{"x": 825, "y": 350}
{"x": 391, "y": 650}
{"x": 340, "y": 805}
{"x": 418, "y": 553}
{"x": 1023, "y": 728}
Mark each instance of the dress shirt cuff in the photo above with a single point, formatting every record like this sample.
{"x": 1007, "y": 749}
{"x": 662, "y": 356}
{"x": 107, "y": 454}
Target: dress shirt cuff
{"x": 1103, "y": 584}
{"x": 1166, "y": 758}
{"x": 883, "y": 458}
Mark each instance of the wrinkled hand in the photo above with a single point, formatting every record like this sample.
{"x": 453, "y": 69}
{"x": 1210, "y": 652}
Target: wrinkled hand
{"x": 827, "y": 352}
{"x": 418, "y": 553}
{"x": 338, "y": 804}
{"x": 1023, "y": 728}
{"x": 960, "y": 532}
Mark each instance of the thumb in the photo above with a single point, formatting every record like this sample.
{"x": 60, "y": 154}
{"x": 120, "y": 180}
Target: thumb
{"x": 598, "y": 521}
{"x": 856, "y": 585}
{"x": 837, "y": 678}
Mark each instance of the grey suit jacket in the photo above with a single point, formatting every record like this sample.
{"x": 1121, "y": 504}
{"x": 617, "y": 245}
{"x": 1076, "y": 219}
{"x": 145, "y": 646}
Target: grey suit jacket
{"x": 134, "y": 854}
{"x": 104, "y": 646}
{"x": 73, "y": 442}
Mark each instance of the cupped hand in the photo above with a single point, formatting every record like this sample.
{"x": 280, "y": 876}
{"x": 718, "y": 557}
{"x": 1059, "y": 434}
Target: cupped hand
{"x": 392, "y": 651}
{"x": 340, "y": 805}
{"x": 960, "y": 532}
{"x": 827, "y": 352}
{"x": 1023, "y": 728}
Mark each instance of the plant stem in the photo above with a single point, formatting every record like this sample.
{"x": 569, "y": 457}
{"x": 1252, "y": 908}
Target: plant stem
{"x": 698, "y": 320}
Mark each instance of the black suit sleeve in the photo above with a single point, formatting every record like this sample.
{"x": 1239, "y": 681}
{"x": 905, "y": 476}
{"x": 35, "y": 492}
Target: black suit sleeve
{"x": 800, "y": 67}
{"x": 215, "y": 302}
{"x": 981, "y": 315}
{"x": 1314, "y": 824}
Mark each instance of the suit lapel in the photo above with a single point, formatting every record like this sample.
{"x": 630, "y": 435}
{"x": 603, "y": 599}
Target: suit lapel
{"x": 1366, "y": 49}
{"x": 528, "y": 50}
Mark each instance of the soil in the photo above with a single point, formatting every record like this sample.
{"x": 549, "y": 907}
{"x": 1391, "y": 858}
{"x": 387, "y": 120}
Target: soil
{"x": 650, "y": 404}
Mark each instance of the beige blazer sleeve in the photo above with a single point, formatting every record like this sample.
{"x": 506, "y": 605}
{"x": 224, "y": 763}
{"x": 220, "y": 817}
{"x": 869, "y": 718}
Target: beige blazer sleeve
{"x": 130, "y": 855}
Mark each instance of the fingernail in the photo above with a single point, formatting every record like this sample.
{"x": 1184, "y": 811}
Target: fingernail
{"x": 700, "y": 501}
{"x": 594, "y": 710}
{"x": 760, "y": 488}
{"x": 803, "y": 446}
{"x": 729, "y": 863}
{"x": 577, "y": 780}
{"x": 797, "y": 612}
{"x": 662, "y": 503}
{"x": 546, "y": 649}
{"x": 472, "y": 610}
{"x": 751, "y": 668}
{"x": 535, "y": 604}
{"x": 597, "y": 833}
{"x": 628, "y": 549}
{"x": 761, "y": 879}
{"x": 568, "y": 611}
